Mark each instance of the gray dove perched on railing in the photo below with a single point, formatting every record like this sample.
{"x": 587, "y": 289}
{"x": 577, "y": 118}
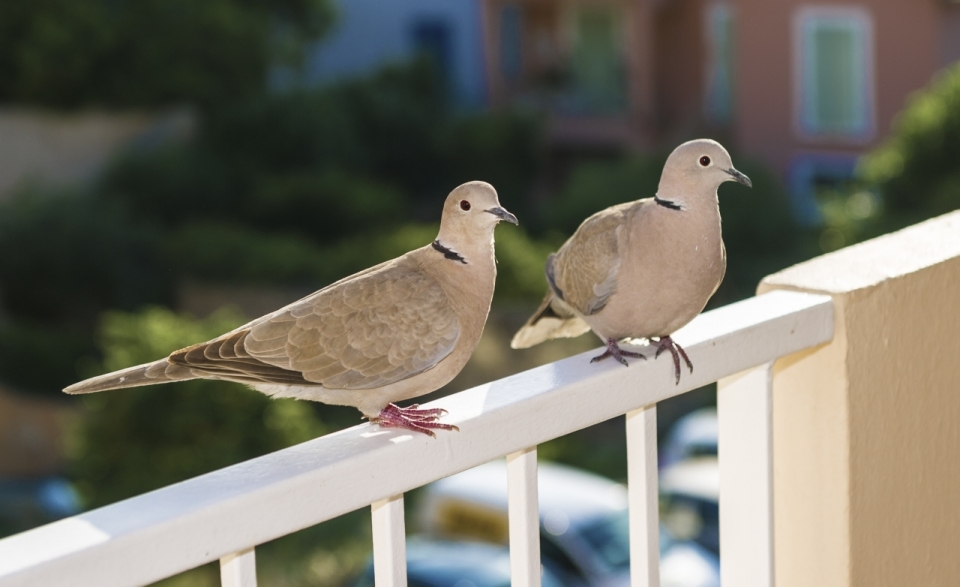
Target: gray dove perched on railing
{"x": 396, "y": 331}
{"x": 641, "y": 269}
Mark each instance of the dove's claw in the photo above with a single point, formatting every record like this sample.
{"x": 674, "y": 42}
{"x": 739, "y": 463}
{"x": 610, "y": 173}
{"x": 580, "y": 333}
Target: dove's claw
{"x": 412, "y": 418}
{"x": 414, "y": 411}
{"x": 614, "y": 350}
{"x": 686, "y": 359}
{"x": 665, "y": 343}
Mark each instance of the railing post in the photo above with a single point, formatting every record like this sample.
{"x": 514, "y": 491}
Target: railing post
{"x": 745, "y": 412}
{"x": 643, "y": 496}
{"x": 524, "y": 518}
{"x": 389, "y": 543}
{"x": 239, "y": 569}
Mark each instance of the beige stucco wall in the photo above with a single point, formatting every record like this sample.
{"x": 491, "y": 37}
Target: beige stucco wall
{"x": 63, "y": 148}
{"x": 867, "y": 428}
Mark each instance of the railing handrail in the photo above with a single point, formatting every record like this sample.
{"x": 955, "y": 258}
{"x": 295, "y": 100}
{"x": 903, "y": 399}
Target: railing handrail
{"x": 176, "y": 528}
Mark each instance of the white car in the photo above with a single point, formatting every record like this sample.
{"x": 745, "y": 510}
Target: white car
{"x": 689, "y": 501}
{"x": 439, "y": 563}
{"x": 692, "y": 436}
{"x": 583, "y": 521}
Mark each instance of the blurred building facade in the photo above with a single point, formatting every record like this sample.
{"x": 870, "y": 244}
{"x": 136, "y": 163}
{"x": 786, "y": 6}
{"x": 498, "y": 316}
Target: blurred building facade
{"x": 370, "y": 33}
{"x": 819, "y": 84}
{"x": 805, "y": 86}
{"x": 589, "y": 65}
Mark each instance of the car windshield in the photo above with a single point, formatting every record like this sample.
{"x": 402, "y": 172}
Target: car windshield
{"x": 610, "y": 538}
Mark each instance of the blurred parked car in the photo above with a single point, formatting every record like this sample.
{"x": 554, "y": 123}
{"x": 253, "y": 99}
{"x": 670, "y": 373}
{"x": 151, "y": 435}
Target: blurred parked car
{"x": 694, "y": 435}
{"x": 440, "y": 563}
{"x": 584, "y": 526}
{"x": 25, "y": 503}
{"x": 689, "y": 501}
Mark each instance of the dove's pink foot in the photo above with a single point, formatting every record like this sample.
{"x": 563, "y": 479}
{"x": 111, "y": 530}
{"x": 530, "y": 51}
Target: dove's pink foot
{"x": 665, "y": 343}
{"x": 412, "y": 418}
{"x": 613, "y": 350}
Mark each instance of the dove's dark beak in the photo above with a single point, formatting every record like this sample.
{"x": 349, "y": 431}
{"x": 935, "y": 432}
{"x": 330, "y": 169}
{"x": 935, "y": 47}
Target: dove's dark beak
{"x": 739, "y": 177}
{"x": 503, "y": 215}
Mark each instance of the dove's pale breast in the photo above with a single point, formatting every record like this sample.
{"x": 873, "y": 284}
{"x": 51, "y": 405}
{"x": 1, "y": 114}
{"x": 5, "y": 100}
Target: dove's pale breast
{"x": 670, "y": 263}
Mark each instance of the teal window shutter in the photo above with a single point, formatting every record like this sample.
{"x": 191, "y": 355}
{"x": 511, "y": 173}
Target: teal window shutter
{"x": 511, "y": 48}
{"x": 720, "y": 76}
{"x": 834, "y": 93}
{"x": 597, "y": 63}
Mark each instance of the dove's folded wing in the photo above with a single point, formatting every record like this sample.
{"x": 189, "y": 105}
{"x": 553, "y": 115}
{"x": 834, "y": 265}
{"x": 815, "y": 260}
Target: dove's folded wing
{"x": 382, "y": 327}
{"x": 584, "y": 271}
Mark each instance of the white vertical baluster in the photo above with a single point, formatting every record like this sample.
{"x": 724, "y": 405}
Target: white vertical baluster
{"x": 389, "y": 543}
{"x": 239, "y": 569}
{"x": 644, "y": 497}
{"x": 744, "y": 408}
{"x": 524, "y": 514}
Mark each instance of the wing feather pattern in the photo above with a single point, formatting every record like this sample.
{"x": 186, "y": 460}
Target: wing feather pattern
{"x": 582, "y": 277}
{"x": 584, "y": 270}
{"x": 382, "y": 327}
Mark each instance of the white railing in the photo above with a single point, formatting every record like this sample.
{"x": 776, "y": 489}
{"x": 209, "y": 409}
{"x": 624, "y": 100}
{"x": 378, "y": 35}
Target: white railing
{"x": 226, "y": 514}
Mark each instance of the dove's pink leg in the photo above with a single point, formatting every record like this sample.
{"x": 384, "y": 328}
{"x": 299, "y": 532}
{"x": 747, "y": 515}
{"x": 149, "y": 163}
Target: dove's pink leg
{"x": 412, "y": 418}
{"x": 665, "y": 343}
{"x": 617, "y": 353}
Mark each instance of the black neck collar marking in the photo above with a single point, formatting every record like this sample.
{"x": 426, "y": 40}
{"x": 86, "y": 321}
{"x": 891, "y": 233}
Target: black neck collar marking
{"x": 667, "y": 203}
{"x": 448, "y": 253}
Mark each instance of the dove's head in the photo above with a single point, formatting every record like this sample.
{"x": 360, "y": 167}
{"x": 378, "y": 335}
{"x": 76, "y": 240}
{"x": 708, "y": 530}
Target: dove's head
{"x": 470, "y": 214}
{"x": 698, "y": 168}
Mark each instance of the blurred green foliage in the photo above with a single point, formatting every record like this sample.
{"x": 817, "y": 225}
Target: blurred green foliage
{"x": 595, "y": 185}
{"x": 39, "y": 357}
{"x": 369, "y": 153}
{"x": 759, "y": 231}
{"x": 71, "y": 53}
{"x": 136, "y": 440}
{"x": 68, "y": 258}
{"x": 915, "y": 170}
{"x": 75, "y": 256}
{"x": 234, "y": 253}
{"x": 273, "y": 183}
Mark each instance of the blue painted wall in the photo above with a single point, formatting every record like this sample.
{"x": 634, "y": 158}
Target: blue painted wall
{"x": 372, "y": 33}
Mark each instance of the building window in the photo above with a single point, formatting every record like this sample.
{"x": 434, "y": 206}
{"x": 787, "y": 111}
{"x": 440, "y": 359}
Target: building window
{"x": 834, "y": 72}
{"x": 812, "y": 179}
{"x": 597, "y": 65}
{"x": 720, "y": 63}
{"x": 511, "y": 46}
{"x": 432, "y": 37}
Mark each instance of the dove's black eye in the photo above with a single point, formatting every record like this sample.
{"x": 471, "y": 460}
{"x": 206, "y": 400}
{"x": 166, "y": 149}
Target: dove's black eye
{"x": 704, "y": 160}
{"x": 464, "y": 205}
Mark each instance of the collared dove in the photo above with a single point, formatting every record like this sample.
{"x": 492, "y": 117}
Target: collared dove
{"x": 641, "y": 269}
{"x": 392, "y": 332}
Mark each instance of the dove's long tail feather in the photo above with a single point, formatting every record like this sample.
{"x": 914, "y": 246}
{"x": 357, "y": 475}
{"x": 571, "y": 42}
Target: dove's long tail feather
{"x": 553, "y": 319}
{"x": 161, "y": 371}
